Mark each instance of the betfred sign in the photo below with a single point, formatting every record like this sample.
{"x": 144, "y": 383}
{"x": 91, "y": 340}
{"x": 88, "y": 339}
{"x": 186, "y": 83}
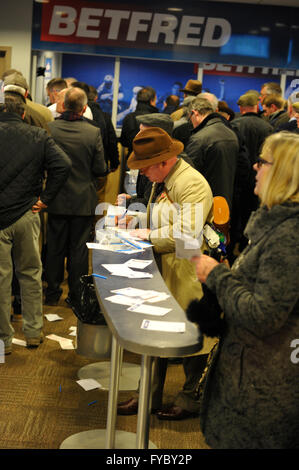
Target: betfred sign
{"x": 98, "y": 24}
{"x": 198, "y": 32}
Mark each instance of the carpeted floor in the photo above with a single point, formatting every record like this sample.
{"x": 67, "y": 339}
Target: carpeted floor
{"x": 41, "y": 404}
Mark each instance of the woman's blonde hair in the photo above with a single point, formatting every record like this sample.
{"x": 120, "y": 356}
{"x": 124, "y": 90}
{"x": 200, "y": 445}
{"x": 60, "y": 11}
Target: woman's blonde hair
{"x": 282, "y": 181}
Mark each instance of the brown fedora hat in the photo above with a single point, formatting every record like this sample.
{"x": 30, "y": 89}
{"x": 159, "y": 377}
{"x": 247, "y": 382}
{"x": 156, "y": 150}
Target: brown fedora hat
{"x": 153, "y": 145}
{"x": 192, "y": 87}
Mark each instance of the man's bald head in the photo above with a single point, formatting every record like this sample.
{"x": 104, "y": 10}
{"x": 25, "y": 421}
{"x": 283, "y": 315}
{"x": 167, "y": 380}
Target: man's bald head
{"x": 75, "y": 100}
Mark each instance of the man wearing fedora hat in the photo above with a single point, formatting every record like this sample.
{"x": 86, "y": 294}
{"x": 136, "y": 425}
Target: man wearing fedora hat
{"x": 191, "y": 89}
{"x": 155, "y": 155}
{"x": 143, "y": 185}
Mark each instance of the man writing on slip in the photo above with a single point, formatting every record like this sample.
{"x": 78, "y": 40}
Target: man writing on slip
{"x": 182, "y": 208}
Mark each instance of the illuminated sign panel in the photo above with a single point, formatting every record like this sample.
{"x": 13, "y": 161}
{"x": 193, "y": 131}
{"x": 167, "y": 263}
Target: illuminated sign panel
{"x": 202, "y": 33}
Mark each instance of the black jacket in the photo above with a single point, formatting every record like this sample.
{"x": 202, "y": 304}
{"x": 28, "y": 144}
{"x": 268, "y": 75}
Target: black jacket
{"x": 278, "y": 118}
{"x": 254, "y": 131}
{"x": 130, "y": 127}
{"x": 103, "y": 121}
{"x": 27, "y": 152}
{"x": 213, "y": 148}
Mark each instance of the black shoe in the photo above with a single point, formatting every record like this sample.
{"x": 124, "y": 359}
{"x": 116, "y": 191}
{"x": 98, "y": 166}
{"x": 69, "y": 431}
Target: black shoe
{"x": 51, "y": 300}
{"x": 53, "y": 297}
{"x": 175, "y": 413}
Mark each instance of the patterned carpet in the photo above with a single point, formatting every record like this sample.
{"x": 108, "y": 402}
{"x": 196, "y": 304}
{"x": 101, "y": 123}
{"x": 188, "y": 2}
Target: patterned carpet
{"x": 41, "y": 404}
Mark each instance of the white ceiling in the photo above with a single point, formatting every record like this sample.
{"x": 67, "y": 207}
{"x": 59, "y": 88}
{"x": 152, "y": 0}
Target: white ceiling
{"x": 279, "y": 3}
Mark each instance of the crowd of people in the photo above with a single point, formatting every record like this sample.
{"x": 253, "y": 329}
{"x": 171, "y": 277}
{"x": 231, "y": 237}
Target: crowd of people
{"x": 54, "y": 163}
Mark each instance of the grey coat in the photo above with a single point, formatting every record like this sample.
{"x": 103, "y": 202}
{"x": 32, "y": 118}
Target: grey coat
{"x": 251, "y": 397}
{"x": 82, "y": 142}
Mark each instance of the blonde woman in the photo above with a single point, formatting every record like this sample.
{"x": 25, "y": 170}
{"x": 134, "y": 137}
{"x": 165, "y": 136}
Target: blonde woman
{"x": 251, "y": 396}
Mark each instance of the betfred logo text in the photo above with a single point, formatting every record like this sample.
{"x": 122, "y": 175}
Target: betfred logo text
{"x": 97, "y": 23}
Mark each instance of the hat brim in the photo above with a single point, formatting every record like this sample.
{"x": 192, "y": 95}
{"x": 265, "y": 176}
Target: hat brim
{"x": 135, "y": 163}
{"x": 190, "y": 92}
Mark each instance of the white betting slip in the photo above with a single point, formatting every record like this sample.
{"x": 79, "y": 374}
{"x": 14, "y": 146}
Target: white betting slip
{"x": 149, "y": 310}
{"x": 171, "y": 327}
{"x": 88, "y": 384}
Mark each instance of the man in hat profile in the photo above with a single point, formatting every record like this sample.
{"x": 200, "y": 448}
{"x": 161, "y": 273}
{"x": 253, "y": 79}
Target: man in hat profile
{"x": 36, "y": 113}
{"x": 186, "y": 192}
{"x": 143, "y": 185}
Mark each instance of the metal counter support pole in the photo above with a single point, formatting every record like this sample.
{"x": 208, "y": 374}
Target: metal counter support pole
{"x": 144, "y": 406}
{"x": 113, "y": 394}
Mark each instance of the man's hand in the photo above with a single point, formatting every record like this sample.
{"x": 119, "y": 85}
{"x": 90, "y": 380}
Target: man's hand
{"x": 38, "y": 206}
{"x": 127, "y": 221}
{"x": 142, "y": 233}
{"x": 121, "y": 199}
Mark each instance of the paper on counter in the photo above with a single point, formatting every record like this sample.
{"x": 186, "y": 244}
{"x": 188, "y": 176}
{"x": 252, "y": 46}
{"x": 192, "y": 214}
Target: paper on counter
{"x": 171, "y": 327}
{"x": 125, "y": 271}
{"x": 141, "y": 244}
{"x": 89, "y": 384}
{"x": 121, "y": 269}
{"x": 149, "y": 309}
{"x": 134, "y": 292}
{"x": 158, "y": 298}
{"x": 138, "y": 263}
{"x": 112, "y": 247}
{"x": 122, "y": 300}
{"x": 139, "y": 275}
{"x": 98, "y": 246}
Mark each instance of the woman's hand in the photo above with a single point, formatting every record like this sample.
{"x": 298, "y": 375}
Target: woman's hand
{"x": 203, "y": 266}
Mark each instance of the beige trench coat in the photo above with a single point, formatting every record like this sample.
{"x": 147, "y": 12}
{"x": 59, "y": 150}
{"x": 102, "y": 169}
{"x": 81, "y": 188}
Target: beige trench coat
{"x": 188, "y": 193}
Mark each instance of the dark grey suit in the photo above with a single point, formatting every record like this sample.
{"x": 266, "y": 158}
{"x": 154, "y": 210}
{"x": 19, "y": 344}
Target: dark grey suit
{"x": 71, "y": 213}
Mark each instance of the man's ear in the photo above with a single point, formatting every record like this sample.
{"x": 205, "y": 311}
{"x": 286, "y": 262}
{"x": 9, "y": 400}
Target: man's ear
{"x": 26, "y": 93}
{"x": 84, "y": 109}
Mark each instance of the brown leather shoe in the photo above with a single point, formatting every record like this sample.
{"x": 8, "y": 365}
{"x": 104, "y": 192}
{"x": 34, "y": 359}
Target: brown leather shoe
{"x": 175, "y": 413}
{"x": 130, "y": 407}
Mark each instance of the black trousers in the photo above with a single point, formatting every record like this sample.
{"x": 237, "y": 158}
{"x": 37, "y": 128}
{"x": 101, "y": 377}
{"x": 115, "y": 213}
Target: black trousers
{"x": 66, "y": 237}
